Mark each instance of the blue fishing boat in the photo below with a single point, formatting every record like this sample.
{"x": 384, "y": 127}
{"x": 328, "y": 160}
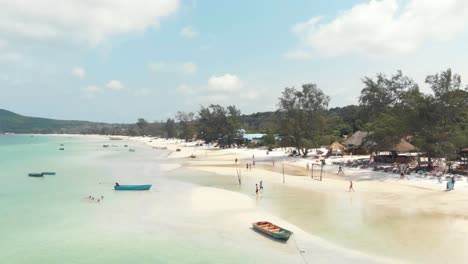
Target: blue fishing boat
{"x": 35, "y": 175}
{"x": 48, "y": 173}
{"x": 132, "y": 187}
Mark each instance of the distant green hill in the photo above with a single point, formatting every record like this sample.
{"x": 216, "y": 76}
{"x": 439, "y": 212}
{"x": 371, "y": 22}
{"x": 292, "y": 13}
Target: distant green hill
{"x": 14, "y": 123}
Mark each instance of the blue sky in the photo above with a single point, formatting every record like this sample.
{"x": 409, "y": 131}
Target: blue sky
{"x": 116, "y": 61}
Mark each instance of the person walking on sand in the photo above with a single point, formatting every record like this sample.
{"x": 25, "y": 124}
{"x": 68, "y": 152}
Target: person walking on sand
{"x": 256, "y": 188}
{"x": 235, "y": 161}
{"x": 351, "y": 186}
{"x": 340, "y": 170}
{"x": 247, "y": 166}
{"x": 261, "y": 185}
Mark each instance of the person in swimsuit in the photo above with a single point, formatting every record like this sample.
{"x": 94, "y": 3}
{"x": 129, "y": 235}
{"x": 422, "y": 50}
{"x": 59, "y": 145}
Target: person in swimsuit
{"x": 351, "y": 186}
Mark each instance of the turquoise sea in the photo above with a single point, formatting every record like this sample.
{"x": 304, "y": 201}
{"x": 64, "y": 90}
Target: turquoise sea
{"x": 189, "y": 217}
{"x": 50, "y": 220}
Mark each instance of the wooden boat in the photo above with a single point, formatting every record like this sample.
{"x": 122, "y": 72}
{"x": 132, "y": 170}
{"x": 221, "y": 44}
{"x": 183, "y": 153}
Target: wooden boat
{"x": 132, "y": 187}
{"x": 272, "y": 230}
{"x": 48, "y": 173}
{"x": 35, "y": 174}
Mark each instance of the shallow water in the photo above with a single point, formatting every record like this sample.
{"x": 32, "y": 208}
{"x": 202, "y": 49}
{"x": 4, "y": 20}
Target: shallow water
{"x": 49, "y": 220}
{"x": 348, "y": 220}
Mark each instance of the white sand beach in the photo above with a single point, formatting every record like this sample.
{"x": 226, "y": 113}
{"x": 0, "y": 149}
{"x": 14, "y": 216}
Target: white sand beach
{"x": 413, "y": 198}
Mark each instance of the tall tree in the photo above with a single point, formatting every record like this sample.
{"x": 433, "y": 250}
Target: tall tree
{"x": 187, "y": 125}
{"x": 301, "y": 116}
{"x": 220, "y": 124}
{"x": 171, "y": 131}
{"x": 142, "y": 125}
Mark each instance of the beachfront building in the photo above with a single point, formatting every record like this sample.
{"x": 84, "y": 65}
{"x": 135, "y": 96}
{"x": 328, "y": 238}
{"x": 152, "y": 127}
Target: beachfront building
{"x": 355, "y": 143}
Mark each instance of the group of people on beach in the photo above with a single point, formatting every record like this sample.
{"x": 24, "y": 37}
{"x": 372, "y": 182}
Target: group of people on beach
{"x": 93, "y": 199}
{"x": 258, "y": 187}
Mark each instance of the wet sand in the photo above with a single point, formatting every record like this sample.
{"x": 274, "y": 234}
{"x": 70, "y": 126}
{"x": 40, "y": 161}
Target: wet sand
{"x": 402, "y": 220}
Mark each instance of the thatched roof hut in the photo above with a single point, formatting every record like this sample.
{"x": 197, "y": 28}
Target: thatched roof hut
{"x": 404, "y": 146}
{"x": 336, "y": 146}
{"x": 356, "y": 139}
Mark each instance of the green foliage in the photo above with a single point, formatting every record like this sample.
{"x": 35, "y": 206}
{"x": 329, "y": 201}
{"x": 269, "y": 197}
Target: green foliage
{"x": 187, "y": 125}
{"x": 220, "y": 124}
{"x": 171, "y": 131}
{"x": 301, "y": 116}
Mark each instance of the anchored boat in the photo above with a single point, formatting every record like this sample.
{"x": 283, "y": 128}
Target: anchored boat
{"x": 35, "y": 174}
{"x": 272, "y": 230}
{"x": 48, "y": 173}
{"x": 132, "y": 187}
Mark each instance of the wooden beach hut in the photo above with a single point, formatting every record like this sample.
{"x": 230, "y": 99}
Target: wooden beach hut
{"x": 336, "y": 148}
{"x": 355, "y": 142}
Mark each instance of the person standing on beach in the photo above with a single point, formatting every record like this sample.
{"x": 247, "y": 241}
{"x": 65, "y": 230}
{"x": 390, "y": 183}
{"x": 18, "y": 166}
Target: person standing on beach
{"x": 247, "y": 166}
{"x": 340, "y": 170}
{"x": 256, "y": 188}
{"x": 235, "y": 161}
{"x": 253, "y": 162}
{"x": 307, "y": 166}
{"x": 261, "y": 185}
{"x": 351, "y": 186}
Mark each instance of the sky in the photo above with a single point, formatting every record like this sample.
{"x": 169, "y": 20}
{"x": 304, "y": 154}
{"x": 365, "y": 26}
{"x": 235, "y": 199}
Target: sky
{"x": 119, "y": 60}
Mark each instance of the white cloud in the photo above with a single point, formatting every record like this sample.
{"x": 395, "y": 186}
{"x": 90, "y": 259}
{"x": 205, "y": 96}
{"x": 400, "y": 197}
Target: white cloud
{"x": 79, "y": 72}
{"x": 380, "y": 27}
{"x": 92, "y": 21}
{"x": 156, "y": 66}
{"x": 298, "y": 54}
{"x": 115, "y": 85}
{"x": 185, "y": 89}
{"x": 91, "y": 91}
{"x": 188, "y": 32}
{"x": 225, "y": 83}
{"x": 189, "y": 68}
{"x": 10, "y": 56}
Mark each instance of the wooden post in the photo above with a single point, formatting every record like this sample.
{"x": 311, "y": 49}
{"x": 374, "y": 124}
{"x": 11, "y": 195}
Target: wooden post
{"x": 312, "y": 172}
{"x": 321, "y": 169}
{"x": 283, "y": 172}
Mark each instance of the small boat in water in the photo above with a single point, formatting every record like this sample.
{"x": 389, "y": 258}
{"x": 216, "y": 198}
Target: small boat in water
{"x": 132, "y": 187}
{"x": 272, "y": 230}
{"x": 35, "y": 174}
{"x": 131, "y": 150}
{"x": 61, "y": 148}
{"x": 48, "y": 173}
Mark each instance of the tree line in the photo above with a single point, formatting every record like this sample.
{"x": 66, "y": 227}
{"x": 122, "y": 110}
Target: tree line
{"x": 389, "y": 108}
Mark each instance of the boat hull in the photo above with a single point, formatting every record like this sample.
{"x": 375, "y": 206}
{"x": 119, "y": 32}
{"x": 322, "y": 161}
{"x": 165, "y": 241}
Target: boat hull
{"x": 132, "y": 187}
{"x": 48, "y": 173}
{"x": 272, "y": 230}
{"x": 35, "y": 174}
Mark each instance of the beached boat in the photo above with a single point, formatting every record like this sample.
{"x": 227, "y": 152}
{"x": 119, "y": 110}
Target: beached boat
{"x": 35, "y": 175}
{"x": 115, "y": 138}
{"x": 48, "y": 173}
{"x": 272, "y": 230}
{"x": 132, "y": 187}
